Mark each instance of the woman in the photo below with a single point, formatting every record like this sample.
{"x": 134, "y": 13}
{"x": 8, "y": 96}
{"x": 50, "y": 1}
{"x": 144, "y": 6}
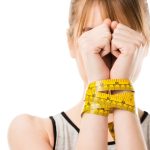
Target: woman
{"x": 108, "y": 39}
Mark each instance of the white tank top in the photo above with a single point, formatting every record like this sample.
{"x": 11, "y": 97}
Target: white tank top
{"x": 66, "y": 132}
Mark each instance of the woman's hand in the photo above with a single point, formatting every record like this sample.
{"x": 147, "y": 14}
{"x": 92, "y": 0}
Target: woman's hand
{"x": 124, "y": 44}
{"x": 93, "y": 45}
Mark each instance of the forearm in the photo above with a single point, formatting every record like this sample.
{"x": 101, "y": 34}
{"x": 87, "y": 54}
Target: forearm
{"x": 128, "y": 131}
{"x": 93, "y": 132}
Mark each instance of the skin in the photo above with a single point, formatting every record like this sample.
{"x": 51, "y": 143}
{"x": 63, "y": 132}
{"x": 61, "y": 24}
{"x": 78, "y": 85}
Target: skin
{"x": 90, "y": 45}
{"x": 28, "y": 132}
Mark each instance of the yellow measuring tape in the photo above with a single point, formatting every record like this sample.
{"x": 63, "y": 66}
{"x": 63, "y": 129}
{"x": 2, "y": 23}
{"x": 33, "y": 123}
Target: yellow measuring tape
{"x": 100, "y": 103}
{"x": 112, "y": 101}
{"x": 111, "y": 84}
{"x": 111, "y": 129}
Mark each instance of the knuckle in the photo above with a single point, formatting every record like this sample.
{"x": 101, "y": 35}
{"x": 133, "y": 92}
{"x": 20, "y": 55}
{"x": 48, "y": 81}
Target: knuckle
{"x": 116, "y": 31}
{"x": 135, "y": 45}
{"x": 143, "y": 39}
{"x": 138, "y": 44}
{"x": 119, "y": 25}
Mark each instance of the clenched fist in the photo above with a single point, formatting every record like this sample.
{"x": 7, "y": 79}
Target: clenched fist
{"x": 124, "y": 45}
{"x": 109, "y": 37}
{"x": 93, "y": 45}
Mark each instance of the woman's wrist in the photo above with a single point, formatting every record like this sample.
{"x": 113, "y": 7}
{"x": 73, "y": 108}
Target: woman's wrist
{"x": 104, "y": 95}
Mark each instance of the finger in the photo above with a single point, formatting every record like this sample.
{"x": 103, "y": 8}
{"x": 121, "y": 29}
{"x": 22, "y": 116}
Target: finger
{"x": 143, "y": 38}
{"x": 125, "y": 27}
{"x": 123, "y": 46}
{"x": 114, "y": 48}
{"x": 118, "y": 43}
{"x": 127, "y": 39}
{"x": 124, "y": 33}
{"x": 121, "y": 27}
{"x": 114, "y": 24}
{"x": 116, "y": 53}
{"x": 105, "y": 51}
{"x": 107, "y": 21}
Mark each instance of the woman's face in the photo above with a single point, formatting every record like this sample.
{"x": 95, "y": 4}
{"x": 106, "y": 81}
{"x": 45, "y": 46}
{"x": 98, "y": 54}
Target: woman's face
{"x": 94, "y": 20}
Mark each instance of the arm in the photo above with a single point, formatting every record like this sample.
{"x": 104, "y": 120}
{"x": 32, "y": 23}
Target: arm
{"x": 128, "y": 131}
{"x": 93, "y": 133}
{"x": 94, "y": 128}
{"x": 28, "y": 133}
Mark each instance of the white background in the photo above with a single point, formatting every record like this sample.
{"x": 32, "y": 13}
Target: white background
{"x": 37, "y": 74}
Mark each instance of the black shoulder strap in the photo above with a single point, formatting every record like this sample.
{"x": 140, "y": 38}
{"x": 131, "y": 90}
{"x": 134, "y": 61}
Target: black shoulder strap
{"x": 145, "y": 114}
{"x": 54, "y": 130}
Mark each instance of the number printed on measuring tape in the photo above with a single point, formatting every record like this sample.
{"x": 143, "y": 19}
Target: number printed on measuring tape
{"x": 111, "y": 84}
{"x": 122, "y": 100}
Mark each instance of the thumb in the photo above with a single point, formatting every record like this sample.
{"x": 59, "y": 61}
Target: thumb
{"x": 107, "y": 21}
{"x": 114, "y": 25}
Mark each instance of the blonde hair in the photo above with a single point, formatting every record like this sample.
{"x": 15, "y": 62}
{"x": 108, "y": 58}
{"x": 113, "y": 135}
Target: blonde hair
{"x": 133, "y": 13}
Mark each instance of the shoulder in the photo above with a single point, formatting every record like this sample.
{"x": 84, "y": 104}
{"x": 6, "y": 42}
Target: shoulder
{"x": 26, "y": 128}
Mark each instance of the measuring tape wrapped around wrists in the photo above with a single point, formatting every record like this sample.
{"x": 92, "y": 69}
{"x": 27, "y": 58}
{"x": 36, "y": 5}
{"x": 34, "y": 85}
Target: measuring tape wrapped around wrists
{"x": 100, "y": 103}
{"x": 111, "y": 84}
